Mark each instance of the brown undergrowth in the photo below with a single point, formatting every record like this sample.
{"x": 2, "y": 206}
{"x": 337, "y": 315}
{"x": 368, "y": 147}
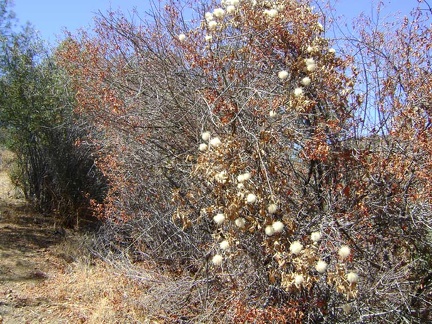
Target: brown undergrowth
{"x": 48, "y": 275}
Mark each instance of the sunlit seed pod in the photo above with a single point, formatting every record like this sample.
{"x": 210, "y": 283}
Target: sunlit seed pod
{"x": 181, "y": 37}
{"x": 321, "y": 266}
{"x": 344, "y": 252}
{"x": 218, "y": 13}
{"x": 310, "y": 64}
{"x": 217, "y": 260}
{"x": 272, "y": 13}
{"x": 243, "y": 177}
{"x": 272, "y": 208}
{"x": 230, "y": 9}
{"x": 224, "y": 245}
{"x": 212, "y": 25}
{"x": 315, "y": 236}
{"x": 205, "y": 136}
{"x": 352, "y": 277}
{"x": 283, "y": 75}
{"x": 298, "y": 92}
{"x": 202, "y": 147}
{"x": 269, "y": 230}
{"x": 208, "y": 16}
{"x": 240, "y": 222}
{"x": 219, "y": 218}
{"x": 251, "y": 198}
{"x": 306, "y": 81}
{"x": 215, "y": 141}
{"x": 295, "y": 247}
{"x": 278, "y": 226}
{"x": 311, "y": 67}
{"x": 221, "y": 177}
{"x": 309, "y": 61}
{"x": 246, "y": 176}
{"x": 298, "y": 280}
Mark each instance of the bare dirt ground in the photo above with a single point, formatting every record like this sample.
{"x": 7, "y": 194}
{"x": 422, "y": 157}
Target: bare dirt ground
{"x": 46, "y": 275}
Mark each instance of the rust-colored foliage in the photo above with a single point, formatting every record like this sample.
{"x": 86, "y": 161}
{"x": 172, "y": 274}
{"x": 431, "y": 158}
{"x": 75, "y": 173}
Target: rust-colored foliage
{"x": 233, "y": 138}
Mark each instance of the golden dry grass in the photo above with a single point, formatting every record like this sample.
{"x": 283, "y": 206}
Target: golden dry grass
{"x": 46, "y": 277}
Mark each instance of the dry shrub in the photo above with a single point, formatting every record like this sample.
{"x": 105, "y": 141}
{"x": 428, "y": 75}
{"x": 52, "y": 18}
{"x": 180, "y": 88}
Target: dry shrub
{"x": 230, "y": 140}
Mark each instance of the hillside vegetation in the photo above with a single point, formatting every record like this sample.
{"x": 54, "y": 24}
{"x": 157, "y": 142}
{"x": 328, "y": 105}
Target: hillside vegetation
{"x": 241, "y": 162}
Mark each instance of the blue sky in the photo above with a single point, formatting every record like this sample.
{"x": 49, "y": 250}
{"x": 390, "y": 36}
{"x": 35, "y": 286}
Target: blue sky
{"x": 51, "y": 17}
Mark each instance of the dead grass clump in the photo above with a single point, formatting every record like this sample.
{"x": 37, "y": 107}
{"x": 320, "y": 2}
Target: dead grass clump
{"x": 91, "y": 293}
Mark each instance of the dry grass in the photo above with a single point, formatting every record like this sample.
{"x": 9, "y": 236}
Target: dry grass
{"x": 47, "y": 276}
{"x": 90, "y": 293}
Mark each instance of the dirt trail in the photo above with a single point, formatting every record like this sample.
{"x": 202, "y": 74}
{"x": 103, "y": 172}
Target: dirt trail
{"x": 26, "y": 260}
{"x": 48, "y": 276}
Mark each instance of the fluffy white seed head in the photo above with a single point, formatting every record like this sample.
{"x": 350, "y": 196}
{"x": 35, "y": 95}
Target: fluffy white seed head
{"x": 306, "y": 81}
{"x": 272, "y": 208}
{"x": 298, "y": 280}
{"x": 309, "y": 61}
{"x": 296, "y": 247}
{"x": 251, "y": 198}
{"x": 243, "y": 177}
{"x": 224, "y": 245}
{"x": 278, "y": 226}
{"x": 219, "y": 218}
{"x": 215, "y": 141}
{"x": 315, "y": 236}
{"x": 240, "y": 222}
{"x": 205, "y": 136}
{"x": 217, "y": 260}
{"x": 208, "y": 38}
{"x": 272, "y": 13}
{"x": 272, "y": 113}
{"x": 344, "y": 252}
{"x": 221, "y": 177}
{"x": 212, "y": 25}
{"x": 310, "y": 64}
{"x": 218, "y": 13}
{"x": 283, "y": 75}
{"x": 269, "y": 230}
{"x": 230, "y": 9}
{"x": 181, "y": 37}
{"x": 298, "y": 91}
{"x": 321, "y": 266}
{"x": 352, "y": 277}
{"x": 311, "y": 67}
{"x": 332, "y": 50}
{"x": 202, "y": 147}
{"x": 240, "y": 186}
{"x": 208, "y": 16}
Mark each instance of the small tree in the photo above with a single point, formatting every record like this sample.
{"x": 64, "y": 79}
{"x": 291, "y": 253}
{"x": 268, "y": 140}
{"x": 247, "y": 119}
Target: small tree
{"x": 36, "y": 110}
